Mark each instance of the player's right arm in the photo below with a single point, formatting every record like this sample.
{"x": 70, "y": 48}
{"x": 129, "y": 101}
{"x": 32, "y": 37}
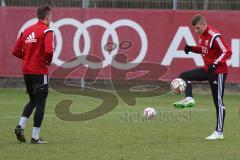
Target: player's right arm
{"x": 18, "y": 50}
{"x": 197, "y": 49}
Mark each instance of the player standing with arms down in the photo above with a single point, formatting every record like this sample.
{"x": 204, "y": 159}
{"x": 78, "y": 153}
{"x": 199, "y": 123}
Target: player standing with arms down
{"x": 215, "y": 53}
{"x": 35, "y": 47}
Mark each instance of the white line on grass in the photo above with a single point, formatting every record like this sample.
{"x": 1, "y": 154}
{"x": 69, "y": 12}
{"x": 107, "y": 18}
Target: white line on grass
{"x": 165, "y": 110}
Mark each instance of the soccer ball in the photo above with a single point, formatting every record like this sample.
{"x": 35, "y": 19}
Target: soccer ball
{"x": 178, "y": 85}
{"x": 149, "y": 113}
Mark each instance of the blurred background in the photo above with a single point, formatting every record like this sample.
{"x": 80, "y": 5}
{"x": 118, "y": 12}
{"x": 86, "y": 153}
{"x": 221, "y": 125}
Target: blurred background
{"x": 185, "y": 9}
{"x": 146, "y": 4}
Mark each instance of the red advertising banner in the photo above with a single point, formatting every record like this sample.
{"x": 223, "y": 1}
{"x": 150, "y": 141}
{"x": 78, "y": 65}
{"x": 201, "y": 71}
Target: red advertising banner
{"x": 144, "y": 36}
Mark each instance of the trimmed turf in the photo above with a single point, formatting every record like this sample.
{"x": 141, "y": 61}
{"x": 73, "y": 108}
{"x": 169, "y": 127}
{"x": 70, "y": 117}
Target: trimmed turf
{"x": 123, "y": 134}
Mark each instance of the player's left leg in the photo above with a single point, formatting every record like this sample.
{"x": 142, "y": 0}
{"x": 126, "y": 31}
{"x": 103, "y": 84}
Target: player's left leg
{"x": 19, "y": 130}
{"x": 217, "y": 83}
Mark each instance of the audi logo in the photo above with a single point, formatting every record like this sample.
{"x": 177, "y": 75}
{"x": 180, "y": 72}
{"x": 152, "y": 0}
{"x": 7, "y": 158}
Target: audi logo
{"x": 109, "y": 50}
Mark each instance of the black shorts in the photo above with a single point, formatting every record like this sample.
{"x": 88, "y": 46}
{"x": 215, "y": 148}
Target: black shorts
{"x": 36, "y": 83}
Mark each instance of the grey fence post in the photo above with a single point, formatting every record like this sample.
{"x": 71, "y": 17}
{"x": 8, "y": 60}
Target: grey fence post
{"x": 205, "y": 4}
{"x": 174, "y": 4}
{"x": 3, "y": 3}
{"x": 85, "y": 3}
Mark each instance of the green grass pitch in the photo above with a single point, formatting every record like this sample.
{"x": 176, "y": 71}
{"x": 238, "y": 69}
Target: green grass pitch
{"x": 116, "y": 136}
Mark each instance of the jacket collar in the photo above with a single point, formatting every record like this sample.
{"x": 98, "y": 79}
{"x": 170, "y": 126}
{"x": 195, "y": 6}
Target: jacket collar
{"x": 41, "y": 23}
{"x": 206, "y": 31}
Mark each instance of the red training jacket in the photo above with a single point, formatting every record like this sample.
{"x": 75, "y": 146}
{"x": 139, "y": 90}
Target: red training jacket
{"x": 214, "y": 49}
{"x": 35, "y": 47}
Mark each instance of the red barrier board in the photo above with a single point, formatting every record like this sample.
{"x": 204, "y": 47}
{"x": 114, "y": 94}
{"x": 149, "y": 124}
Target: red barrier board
{"x": 144, "y": 36}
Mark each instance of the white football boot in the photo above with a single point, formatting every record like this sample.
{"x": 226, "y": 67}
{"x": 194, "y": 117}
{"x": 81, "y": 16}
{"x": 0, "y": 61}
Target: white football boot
{"x": 215, "y": 136}
{"x": 186, "y": 102}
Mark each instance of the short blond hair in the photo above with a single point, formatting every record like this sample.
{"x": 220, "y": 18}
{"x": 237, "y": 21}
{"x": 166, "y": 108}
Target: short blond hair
{"x": 198, "y": 18}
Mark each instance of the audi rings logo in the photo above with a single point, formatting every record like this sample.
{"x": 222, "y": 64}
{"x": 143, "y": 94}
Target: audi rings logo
{"x": 82, "y": 30}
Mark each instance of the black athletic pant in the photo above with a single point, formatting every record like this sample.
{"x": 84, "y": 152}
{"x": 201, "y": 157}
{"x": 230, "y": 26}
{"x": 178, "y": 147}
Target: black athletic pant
{"x": 216, "y": 82}
{"x": 37, "y": 89}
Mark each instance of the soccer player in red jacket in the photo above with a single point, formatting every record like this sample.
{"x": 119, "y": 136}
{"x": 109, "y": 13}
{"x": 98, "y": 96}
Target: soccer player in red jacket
{"x": 35, "y": 47}
{"x": 215, "y": 53}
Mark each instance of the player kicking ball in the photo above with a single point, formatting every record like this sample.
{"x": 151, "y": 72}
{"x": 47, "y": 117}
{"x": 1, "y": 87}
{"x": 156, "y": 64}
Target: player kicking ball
{"x": 215, "y": 53}
{"x": 35, "y": 47}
